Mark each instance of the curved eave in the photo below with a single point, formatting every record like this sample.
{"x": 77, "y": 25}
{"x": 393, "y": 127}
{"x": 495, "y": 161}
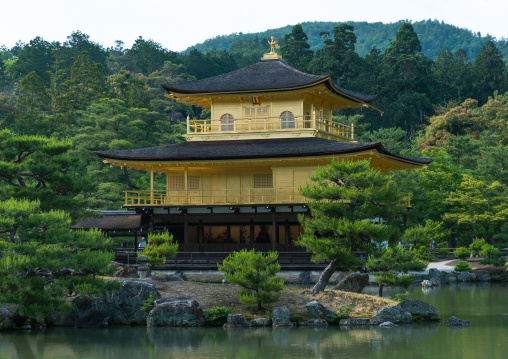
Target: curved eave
{"x": 380, "y": 151}
{"x": 175, "y": 92}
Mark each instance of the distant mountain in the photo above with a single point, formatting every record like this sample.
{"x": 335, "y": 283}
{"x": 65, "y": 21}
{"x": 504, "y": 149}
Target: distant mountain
{"x": 433, "y": 35}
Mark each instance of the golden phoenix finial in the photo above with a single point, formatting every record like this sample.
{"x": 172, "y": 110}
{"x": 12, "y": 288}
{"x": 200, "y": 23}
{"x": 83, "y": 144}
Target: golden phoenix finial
{"x": 273, "y": 45}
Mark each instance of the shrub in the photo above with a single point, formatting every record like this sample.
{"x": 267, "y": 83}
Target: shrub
{"x": 488, "y": 250}
{"x": 159, "y": 247}
{"x": 217, "y": 316}
{"x": 462, "y": 253}
{"x": 344, "y": 312}
{"x": 462, "y": 266}
{"x": 256, "y": 273}
{"x": 477, "y": 245}
{"x": 148, "y": 304}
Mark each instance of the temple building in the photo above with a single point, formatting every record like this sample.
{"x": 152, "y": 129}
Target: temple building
{"x": 235, "y": 182}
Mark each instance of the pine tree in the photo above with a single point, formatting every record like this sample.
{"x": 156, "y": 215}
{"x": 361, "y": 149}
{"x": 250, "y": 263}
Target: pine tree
{"x": 296, "y": 50}
{"x": 344, "y": 201}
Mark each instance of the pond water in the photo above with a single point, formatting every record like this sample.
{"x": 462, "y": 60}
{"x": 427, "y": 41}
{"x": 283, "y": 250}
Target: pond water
{"x": 486, "y": 307}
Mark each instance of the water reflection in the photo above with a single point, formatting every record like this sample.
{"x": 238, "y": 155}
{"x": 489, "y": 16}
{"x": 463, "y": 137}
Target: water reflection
{"x": 484, "y": 307}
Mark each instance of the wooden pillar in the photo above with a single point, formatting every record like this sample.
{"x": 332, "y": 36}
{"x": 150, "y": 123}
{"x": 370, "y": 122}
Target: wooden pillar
{"x": 252, "y": 239}
{"x": 228, "y": 234}
{"x": 274, "y": 233}
{"x": 136, "y": 240}
{"x": 185, "y": 179}
{"x": 286, "y": 234}
{"x": 167, "y": 188}
{"x": 200, "y": 235}
{"x": 185, "y": 235}
{"x": 152, "y": 185}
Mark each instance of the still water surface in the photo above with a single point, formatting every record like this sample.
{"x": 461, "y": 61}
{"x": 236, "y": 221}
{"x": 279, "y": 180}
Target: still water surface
{"x": 486, "y": 307}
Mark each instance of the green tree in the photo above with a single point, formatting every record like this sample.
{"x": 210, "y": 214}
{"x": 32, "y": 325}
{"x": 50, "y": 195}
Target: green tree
{"x": 32, "y": 100}
{"x": 392, "y": 266}
{"x": 296, "y": 51}
{"x": 344, "y": 201}
{"x": 160, "y": 247}
{"x": 34, "y": 167}
{"x": 42, "y": 261}
{"x": 488, "y": 68}
{"x": 256, "y": 273}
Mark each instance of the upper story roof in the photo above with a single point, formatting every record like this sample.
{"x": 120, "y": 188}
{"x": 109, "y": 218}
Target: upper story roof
{"x": 264, "y": 76}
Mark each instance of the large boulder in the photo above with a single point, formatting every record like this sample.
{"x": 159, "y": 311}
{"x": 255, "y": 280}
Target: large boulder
{"x": 237, "y": 321}
{"x": 80, "y": 305}
{"x": 305, "y": 278}
{"x": 456, "y": 322}
{"x": 93, "y": 319}
{"x": 317, "y": 310}
{"x": 175, "y": 312}
{"x": 463, "y": 277}
{"x": 280, "y": 317}
{"x": 124, "y": 305}
{"x": 354, "y": 282}
{"x": 419, "y": 310}
{"x": 434, "y": 273}
{"x": 7, "y": 319}
{"x": 393, "y": 314}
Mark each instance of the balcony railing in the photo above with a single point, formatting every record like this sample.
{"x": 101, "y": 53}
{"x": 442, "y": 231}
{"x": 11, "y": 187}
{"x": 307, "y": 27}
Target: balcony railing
{"x": 229, "y": 196}
{"x": 211, "y": 197}
{"x": 269, "y": 124}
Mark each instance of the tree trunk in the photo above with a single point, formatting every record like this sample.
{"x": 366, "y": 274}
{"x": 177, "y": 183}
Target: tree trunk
{"x": 380, "y": 289}
{"x": 127, "y": 179}
{"x": 325, "y": 276}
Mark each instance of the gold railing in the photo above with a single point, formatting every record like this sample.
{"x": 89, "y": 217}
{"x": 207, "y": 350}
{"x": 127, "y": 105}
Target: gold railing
{"x": 269, "y": 124}
{"x": 229, "y": 196}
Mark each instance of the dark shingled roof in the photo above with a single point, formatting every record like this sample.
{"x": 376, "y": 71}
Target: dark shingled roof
{"x": 266, "y": 75}
{"x": 245, "y": 149}
{"x": 111, "y": 223}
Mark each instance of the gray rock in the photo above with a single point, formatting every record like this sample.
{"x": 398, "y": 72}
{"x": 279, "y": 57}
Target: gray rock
{"x": 280, "y": 317}
{"x": 314, "y": 323}
{"x": 456, "y": 322}
{"x": 180, "y": 275}
{"x": 463, "y": 277}
{"x": 319, "y": 311}
{"x": 472, "y": 277}
{"x": 388, "y": 325}
{"x": 175, "y": 312}
{"x": 393, "y": 314}
{"x": 80, "y": 306}
{"x": 341, "y": 276}
{"x": 452, "y": 279}
{"x": 305, "y": 278}
{"x": 7, "y": 319}
{"x": 435, "y": 282}
{"x": 445, "y": 280}
{"x": 124, "y": 306}
{"x": 483, "y": 276}
{"x": 93, "y": 319}
{"x": 434, "y": 273}
{"x": 260, "y": 322}
{"x": 236, "y": 321}
{"x": 357, "y": 321}
{"x": 172, "y": 278}
{"x": 355, "y": 282}
{"x": 418, "y": 308}
{"x": 125, "y": 271}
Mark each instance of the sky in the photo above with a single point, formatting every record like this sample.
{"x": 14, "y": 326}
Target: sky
{"x": 177, "y": 25}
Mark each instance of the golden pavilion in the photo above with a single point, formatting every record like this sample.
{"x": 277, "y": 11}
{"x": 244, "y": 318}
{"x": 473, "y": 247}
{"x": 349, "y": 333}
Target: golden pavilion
{"x": 235, "y": 182}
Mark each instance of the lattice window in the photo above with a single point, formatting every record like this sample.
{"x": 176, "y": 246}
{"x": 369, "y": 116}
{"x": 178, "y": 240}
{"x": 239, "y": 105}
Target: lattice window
{"x": 227, "y": 122}
{"x": 263, "y": 180}
{"x": 177, "y": 183}
{"x": 256, "y": 111}
{"x": 287, "y": 119}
